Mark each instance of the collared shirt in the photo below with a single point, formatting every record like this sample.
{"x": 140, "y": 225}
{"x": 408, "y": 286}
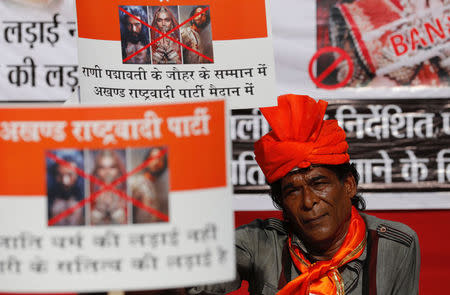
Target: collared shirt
{"x": 259, "y": 247}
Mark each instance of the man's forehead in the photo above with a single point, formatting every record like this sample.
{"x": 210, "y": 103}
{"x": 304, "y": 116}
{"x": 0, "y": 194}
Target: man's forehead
{"x": 66, "y": 169}
{"x": 132, "y": 19}
{"x": 309, "y": 173}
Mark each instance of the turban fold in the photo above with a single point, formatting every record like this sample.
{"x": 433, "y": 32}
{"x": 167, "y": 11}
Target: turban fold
{"x": 299, "y": 137}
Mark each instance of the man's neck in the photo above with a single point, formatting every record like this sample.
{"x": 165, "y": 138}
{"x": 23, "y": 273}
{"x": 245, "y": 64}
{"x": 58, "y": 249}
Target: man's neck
{"x": 195, "y": 28}
{"x": 325, "y": 253}
{"x": 325, "y": 250}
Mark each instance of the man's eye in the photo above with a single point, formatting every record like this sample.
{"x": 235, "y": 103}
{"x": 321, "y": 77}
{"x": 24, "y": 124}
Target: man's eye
{"x": 290, "y": 193}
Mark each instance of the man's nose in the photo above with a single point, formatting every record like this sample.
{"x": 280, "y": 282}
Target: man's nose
{"x": 309, "y": 199}
{"x": 135, "y": 28}
{"x": 66, "y": 180}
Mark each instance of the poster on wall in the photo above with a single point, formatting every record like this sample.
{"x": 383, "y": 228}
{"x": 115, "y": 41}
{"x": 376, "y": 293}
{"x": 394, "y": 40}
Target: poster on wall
{"x": 38, "y": 46}
{"x": 114, "y": 198}
{"x": 363, "y": 48}
{"x": 152, "y": 51}
{"x": 400, "y": 149}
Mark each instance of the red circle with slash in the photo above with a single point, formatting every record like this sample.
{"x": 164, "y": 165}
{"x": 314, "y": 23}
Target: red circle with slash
{"x": 343, "y": 57}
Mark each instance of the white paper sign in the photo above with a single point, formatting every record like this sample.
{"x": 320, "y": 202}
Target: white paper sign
{"x": 38, "y": 46}
{"x": 109, "y": 198}
{"x": 176, "y": 51}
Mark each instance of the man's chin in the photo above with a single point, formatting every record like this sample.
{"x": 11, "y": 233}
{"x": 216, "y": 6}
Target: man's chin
{"x": 201, "y": 25}
{"x": 134, "y": 39}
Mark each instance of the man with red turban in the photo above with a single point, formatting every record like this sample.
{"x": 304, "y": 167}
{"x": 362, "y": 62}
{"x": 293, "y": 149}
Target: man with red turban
{"x": 324, "y": 245}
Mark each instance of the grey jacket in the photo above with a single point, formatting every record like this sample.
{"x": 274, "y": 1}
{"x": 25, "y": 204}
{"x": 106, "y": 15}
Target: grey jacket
{"x": 393, "y": 246}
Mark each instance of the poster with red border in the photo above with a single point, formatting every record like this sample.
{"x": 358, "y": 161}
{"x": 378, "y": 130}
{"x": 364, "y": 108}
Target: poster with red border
{"x": 110, "y": 198}
{"x": 145, "y": 51}
{"x": 363, "y": 49}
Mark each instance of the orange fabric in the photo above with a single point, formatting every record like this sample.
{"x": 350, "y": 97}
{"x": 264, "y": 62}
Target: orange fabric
{"x": 299, "y": 137}
{"x": 322, "y": 277}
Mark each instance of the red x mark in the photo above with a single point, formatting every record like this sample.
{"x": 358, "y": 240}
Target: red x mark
{"x": 106, "y": 187}
{"x": 166, "y": 35}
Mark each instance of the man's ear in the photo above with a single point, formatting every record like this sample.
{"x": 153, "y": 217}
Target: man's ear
{"x": 350, "y": 186}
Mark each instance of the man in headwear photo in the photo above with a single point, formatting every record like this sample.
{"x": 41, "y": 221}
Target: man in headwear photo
{"x": 150, "y": 186}
{"x": 134, "y": 35}
{"x": 197, "y": 36}
{"x": 165, "y": 50}
{"x": 324, "y": 244}
{"x": 65, "y": 190}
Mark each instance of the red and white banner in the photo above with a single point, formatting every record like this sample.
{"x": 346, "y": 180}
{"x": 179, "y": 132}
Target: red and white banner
{"x": 108, "y": 198}
{"x": 363, "y": 49}
{"x": 145, "y": 51}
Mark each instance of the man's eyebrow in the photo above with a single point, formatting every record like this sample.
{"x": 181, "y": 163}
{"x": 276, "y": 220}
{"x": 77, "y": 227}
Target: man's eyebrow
{"x": 288, "y": 185}
{"x": 317, "y": 178}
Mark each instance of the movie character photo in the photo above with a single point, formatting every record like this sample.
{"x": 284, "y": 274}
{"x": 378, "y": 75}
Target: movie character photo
{"x": 165, "y": 50}
{"x": 151, "y": 185}
{"x": 196, "y": 34}
{"x": 134, "y": 35}
{"x": 108, "y": 207}
{"x": 65, "y": 187}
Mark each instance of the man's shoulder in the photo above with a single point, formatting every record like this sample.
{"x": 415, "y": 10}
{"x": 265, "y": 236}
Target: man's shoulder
{"x": 390, "y": 230}
{"x": 397, "y": 255}
{"x": 261, "y": 238}
{"x": 263, "y": 226}
{"x": 186, "y": 29}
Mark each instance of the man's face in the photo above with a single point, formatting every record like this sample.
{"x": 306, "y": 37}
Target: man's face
{"x": 317, "y": 204}
{"x": 134, "y": 27}
{"x": 156, "y": 163}
{"x": 107, "y": 169}
{"x": 200, "y": 20}
{"x": 66, "y": 176}
{"x": 164, "y": 22}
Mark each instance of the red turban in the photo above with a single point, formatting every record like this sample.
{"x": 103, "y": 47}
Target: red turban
{"x": 299, "y": 137}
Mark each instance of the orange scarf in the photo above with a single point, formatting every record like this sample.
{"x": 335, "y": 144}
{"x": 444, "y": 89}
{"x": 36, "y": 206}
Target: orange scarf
{"x": 323, "y": 277}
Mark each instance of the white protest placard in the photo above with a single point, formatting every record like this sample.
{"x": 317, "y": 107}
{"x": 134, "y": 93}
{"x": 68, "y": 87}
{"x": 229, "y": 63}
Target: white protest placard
{"x": 38, "y": 41}
{"x": 177, "y": 50}
{"x": 113, "y": 198}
